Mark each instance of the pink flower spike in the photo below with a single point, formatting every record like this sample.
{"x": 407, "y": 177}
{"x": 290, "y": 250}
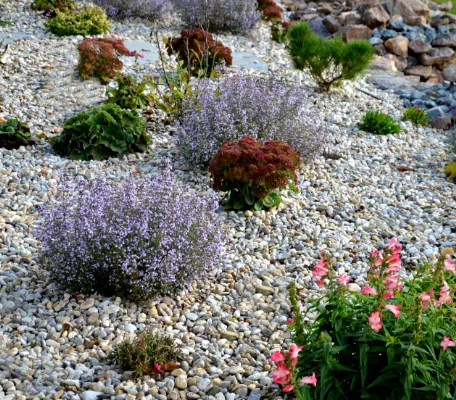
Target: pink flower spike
{"x": 394, "y": 309}
{"x": 294, "y": 350}
{"x": 281, "y": 374}
{"x": 277, "y": 356}
{"x": 449, "y": 266}
{"x": 375, "y": 321}
{"x": 312, "y": 380}
{"x": 343, "y": 279}
{"x": 369, "y": 290}
{"x": 290, "y": 320}
{"x": 287, "y": 388}
{"x": 388, "y": 295}
{"x": 158, "y": 367}
{"x": 393, "y": 244}
{"x": 320, "y": 282}
{"x": 320, "y": 269}
{"x": 446, "y": 342}
{"x": 425, "y": 300}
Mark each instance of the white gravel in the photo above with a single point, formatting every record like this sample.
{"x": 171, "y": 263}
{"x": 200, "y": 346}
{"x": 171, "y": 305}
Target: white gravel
{"x": 52, "y": 344}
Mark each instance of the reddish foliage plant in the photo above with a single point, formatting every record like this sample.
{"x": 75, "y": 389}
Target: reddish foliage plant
{"x": 252, "y": 171}
{"x": 99, "y": 57}
{"x": 271, "y": 11}
{"x": 199, "y": 51}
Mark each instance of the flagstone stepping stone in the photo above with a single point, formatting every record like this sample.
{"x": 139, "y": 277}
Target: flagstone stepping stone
{"x": 245, "y": 59}
{"x": 149, "y": 50}
{"x": 7, "y": 38}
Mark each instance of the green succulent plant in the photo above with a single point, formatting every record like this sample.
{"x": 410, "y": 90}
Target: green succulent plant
{"x": 101, "y": 132}
{"x": 14, "y": 133}
{"x": 379, "y": 123}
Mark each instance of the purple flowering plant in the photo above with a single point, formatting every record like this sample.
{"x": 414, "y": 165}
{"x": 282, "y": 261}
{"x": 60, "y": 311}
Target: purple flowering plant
{"x": 139, "y": 238}
{"x": 219, "y": 15}
{"x": 151, "y": 9}
{"x": 242, "y": 105}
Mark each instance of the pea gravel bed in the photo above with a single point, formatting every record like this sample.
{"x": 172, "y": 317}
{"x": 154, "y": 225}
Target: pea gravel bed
{"x": 363, "y": 191}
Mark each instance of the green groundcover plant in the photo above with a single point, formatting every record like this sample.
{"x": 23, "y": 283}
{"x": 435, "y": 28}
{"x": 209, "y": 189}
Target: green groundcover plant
{"x": 131, "y": 93}
{"x": 87, "y": 20}
{"x": 101, "y": 132}
{"x": 379, "y": 123}
{"x": 394, "y": 340}
{"x": 416, "y": 116}
{"x": 14, "y": 134}
{"x": 328, "y": 61}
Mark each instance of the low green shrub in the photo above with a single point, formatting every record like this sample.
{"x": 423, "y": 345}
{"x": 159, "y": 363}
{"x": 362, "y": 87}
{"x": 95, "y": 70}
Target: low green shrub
{"x": 394, "y": 340}
{"x": 252, "y": 174}
{"x": 416, "y": 116}
{"x": 148, "y": 354}
{"x": 450, "y": 170}
{"x": 130, "y": 93}
{"x": 88, "y": 20}
{"x": 14, "y": 134}
{"x": 100, "y": 57}
{"x": 328, "y": 61}
{"x": 101, "y": 132}
{"x": 379, "y": 123}
{"x": 50, "y": 6}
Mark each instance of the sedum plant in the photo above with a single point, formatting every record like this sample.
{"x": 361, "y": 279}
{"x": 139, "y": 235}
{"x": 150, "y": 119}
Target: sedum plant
{"x": 149, "y": 353}
{"x": 379, "y": 123}
{"x": 252, "y": 173}
{"x": 394, "y": 340}
{"x": 328, "y": 61}
{"x": 219, "y": 15}
{"x": 199, "y": 52}
{"x": 416, "y": 116}
{"x": 270, "y": 10}
{"x": 242, "y": 105}
{"x": 130, "y": 93}
{"x": 101, "y": 132}
{"x": 150, "y": 9}
{"x": 87, "y": 20}
{"x": 14, "y": 134}
{"x": 136, "y": 239}
{"x": 100, "y": 57}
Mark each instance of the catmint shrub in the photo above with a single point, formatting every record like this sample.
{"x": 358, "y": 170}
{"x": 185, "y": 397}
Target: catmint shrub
{"x": 219, "y": 15}
{"x": 137, "y": 239}
{"x": 242, "y": 105}
{"x": 151, "y": 9}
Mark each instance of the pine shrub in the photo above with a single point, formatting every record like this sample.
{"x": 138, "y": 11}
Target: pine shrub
{"x": 242, "y": 105}
{"x": 100, "y": 57}
{"x": 252, "y": 173}
{"x": 150, "y": 9}
{"x": 136, "y": 239}
{"x": 199, "y": 51}
{"x": 219, "y": 15}
{"x": 101, "y": 132}
{"x": 379, "y": 123}
{"x": 328, "y": 61}
{"x": 88, "y": 20}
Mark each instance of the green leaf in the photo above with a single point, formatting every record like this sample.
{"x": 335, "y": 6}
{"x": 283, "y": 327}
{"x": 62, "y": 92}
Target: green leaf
{"x": 268, "y": 201}
{"x": 239, "y": 204}
{"x": 258, "y": 205}
{"x": 249, "y": 199}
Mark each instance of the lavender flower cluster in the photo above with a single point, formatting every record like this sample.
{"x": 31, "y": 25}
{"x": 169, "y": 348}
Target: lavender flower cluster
{"x": 140, "y": 238}
{"x": 219, "y": 15}
{"x": 243, "y": 105}
{"x": 151, "y": 9}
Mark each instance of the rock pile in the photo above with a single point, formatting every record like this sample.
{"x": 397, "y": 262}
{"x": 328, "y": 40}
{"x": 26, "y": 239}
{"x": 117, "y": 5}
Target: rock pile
{"x": 400, "y": 30}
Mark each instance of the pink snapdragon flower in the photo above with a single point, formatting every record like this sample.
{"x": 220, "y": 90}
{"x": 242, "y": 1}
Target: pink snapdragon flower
{"x": 425, "y": 300}
{"x": 294, "y": 351}
{"x": 447, "y": 342}
{"x": 449, "y": 266}
{"x": 375, "y": 321}
{"x": 281, "y": 374}
{"x": 277, "y": 356}
{"x": 320, "y": 269}
{"x": 445, "y": 296}
{"x": 343, "y": 279}
{"x": 394, "y": 309}
{"x": 287, "y": 388}
{"x": 312, "y": 380}
{"x": 388, "y": 295}
{"x": 369, "y": 290}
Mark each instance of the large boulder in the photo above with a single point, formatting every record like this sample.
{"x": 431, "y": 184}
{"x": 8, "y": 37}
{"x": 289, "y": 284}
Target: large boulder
{"x": 419, "y": 70}
{"x": 414, "y": 12}
{"x": 436, "y": 56}
{"x": 449, "y": 73}
{"x": 418, "y": 46}
{"x": 352, "y": 32}
{"x": 376, "y": 17}
{"x": 398, "y": 46}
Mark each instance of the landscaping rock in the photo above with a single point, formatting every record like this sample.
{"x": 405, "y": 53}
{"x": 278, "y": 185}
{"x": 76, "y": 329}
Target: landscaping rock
{"x": 418, "y": 46}
{"x": 376, "y": 17}
{"x": 419, "y": 70}
{"x": 449, "y": 73}
{"x": 352, "y": 32}
{"x": 436, "y": 56}
{"x": 398, "y": 46}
